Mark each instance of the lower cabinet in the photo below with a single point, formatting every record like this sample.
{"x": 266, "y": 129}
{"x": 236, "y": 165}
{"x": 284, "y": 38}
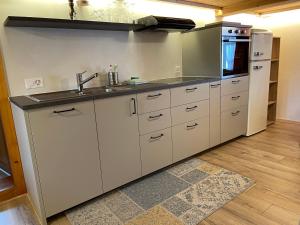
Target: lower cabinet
{"x": 156, "y": 150}
{"x": 66, "y": 153}
{"x": 233, "y": 123}
{"x": 190, "y": 138}
{"x": 117, "y": 125}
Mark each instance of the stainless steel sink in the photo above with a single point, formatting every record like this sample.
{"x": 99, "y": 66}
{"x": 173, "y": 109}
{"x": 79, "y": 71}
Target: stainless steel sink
{"x": 62, "y": 95}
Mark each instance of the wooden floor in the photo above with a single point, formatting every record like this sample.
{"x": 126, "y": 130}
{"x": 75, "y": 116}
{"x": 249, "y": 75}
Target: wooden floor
{"x": 271, "y": 158}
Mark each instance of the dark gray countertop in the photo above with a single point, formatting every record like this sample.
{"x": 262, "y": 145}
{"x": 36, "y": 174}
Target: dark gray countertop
{"x": 26, "y": 103}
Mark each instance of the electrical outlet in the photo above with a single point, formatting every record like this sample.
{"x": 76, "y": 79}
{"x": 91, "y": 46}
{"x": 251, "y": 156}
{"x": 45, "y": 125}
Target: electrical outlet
{"x": 35, "y": 82}
{"x": 177, "y": 68}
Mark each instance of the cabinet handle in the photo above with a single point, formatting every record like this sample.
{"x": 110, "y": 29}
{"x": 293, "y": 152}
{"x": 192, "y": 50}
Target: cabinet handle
{"x": 155, "y": 117}
{"x": 257, "y": 67}
{"x": 192, "y": 126}
{"x": 258, "y": 53}
{"x": 154, "y": 96}
{"x": 235, "y": 97}
{"x": 156, "y": 137}
{"x": 191, "y": 89}
{"x": 214, "y": 85}
{"x": 188, "y": 109}
{"x": 235, "y": 113}
{"x": 134, "y": 106}
{"x": 235, "y": 81}
{"x": 62, "y": 111}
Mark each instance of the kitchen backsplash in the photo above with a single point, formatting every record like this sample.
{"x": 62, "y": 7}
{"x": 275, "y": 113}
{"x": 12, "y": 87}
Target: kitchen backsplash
{"x": 57, "y": 55}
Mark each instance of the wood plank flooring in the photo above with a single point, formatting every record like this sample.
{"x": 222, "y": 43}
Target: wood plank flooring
{"x": 271, "y": 158}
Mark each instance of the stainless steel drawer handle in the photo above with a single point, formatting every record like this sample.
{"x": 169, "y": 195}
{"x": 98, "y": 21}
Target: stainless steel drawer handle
{"x": 191, "y": 89}
{"x": 156, "y": 137}
{"x": 155, "y": 117}
{"x": 154, "y": 96}
{"x": 65, "y": 110}
{"x": 214, "y": 85}
{"x": 191, "y": 126}
{"x": 235, "y": 113}
{"x": 235, "y": 81}
{"x": 188, "y": 109}
{"x": 235, "y": 97}
{"x": 257, "y": 67}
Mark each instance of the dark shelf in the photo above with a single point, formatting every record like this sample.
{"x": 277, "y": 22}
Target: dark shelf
{"x": 18, "y": 21}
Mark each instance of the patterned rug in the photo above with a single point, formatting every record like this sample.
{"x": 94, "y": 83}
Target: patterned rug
{"x": 184, "y": 194}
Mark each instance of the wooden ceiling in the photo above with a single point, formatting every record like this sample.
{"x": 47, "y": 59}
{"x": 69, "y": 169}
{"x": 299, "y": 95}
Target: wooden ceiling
{"x": 230, "y": 7}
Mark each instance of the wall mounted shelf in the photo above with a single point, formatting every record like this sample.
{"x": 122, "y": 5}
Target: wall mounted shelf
{"x": 18, "y": 21}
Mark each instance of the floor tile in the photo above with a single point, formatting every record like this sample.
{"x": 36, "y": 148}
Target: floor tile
{"x": 193, "y": 216}
{"x": 176, "y": 206}
{"x": 194, "y": 176}
{"x": 155, "y": 189}
{"x": 209, "y": 168}
{"x": 122, "y": 206}
{"x": 155, "y": 216}
{"x": 93, "y": 213}
{"x": 185, "y": 167}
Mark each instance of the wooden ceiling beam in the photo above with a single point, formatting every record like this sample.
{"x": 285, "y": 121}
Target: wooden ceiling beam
{"x": 194, "y": 3}
{"x": 279, "y": 8}
{"x": 253, "y": 5}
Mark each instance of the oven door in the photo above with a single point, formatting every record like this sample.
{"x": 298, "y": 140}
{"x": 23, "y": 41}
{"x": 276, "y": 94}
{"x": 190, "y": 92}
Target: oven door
{"x": 235, "y": 55}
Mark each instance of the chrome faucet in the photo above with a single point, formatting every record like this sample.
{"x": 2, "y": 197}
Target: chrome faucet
{"x": 81, "y": 82}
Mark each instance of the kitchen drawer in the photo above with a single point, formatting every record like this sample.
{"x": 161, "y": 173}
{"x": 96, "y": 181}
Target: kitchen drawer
{"x": 190, "y": 138}
{"x": 153, "y": 101}
{"x": 188, "y": 94}
{"x": 234, "y": 85}
{"x": 234, "y": 100}
{"x": 156, "y": 150}
{"x": 233, "y": 123}
{"x": 188, "y": 112}
{"x": 153, "y": 121}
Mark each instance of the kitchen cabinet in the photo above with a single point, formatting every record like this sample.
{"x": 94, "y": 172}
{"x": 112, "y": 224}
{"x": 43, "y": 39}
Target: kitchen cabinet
{"x": 156, "y": 150}
{"x": 153, "y": 101}
{"x": 190, "y": 138}
{"x": 234, "y": 100}
{"x": 233, "y": 123}
{"x": 214, "y": 113}
{"x": 118, "y": 132}
{"x": 188, "y": 94}
{"x": 234, "y": 85}
{"x": 67, "y": 156}
{"x": 260, "y": 47}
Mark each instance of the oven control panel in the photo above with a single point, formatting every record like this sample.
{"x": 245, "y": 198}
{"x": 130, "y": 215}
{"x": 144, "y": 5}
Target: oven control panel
{"x": 236, "y": 31}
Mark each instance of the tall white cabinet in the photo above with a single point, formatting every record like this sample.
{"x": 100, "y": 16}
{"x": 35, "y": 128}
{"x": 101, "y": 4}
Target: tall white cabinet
{"x": 118, "y": 130}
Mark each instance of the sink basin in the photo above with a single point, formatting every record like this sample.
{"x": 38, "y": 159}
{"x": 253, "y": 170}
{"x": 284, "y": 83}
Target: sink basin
{"x": 61, "y": 95}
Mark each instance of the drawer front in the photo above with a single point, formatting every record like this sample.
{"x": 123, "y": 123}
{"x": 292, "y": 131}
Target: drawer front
{"x": 153, "y": 101}
{"x": 188, "y": 112}
{"x": 233, "y": 123}
{"x": 156, "y": 150}
{"x": 188, "y": 94}
{"x": 190, "y": 138}
{"x": 234, "y": 100}
{"x": 234, "y": 85}
{"x": 153, "y": 121}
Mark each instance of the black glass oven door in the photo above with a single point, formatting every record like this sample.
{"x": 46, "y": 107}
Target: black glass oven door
{"x": 235, "y": 55}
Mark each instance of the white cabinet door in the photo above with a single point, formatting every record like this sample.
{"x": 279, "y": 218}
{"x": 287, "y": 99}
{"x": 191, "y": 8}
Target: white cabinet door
{"x": 214, "y": 113}
{"x": 156, "y": 150}
{"x": 117, "y": 124}
{"x": 66, "y": 148}
{"x": 233, "y": 123}
{"x": 153, "y": 101}
{"x": 261, "y": 46}
{"x": 190, "y": 138}
{"x": 258, "y": 96}
{"x": 234, "y": 85}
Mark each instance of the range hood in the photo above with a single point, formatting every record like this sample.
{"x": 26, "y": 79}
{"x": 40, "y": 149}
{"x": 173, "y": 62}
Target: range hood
{"x": 169, "y": 24}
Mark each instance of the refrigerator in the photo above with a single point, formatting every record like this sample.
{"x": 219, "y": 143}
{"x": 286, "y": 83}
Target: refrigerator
{"x": 259, "y": 78}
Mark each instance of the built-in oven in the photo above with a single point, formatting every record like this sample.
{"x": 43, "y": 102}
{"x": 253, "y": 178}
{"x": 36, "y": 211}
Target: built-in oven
{"x": 235, "y": 51}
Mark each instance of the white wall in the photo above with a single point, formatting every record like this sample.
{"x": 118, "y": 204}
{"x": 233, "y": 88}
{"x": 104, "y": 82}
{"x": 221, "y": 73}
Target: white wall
{"x": 285, "y": 25}
{"x": 57, "y": 54}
